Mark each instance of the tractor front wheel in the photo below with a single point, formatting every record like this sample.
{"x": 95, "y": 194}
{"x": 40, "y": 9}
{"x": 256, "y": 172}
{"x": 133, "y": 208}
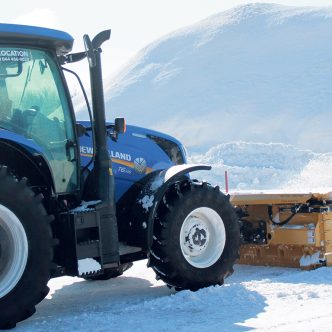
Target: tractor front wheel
{"x": 196, "y": 237}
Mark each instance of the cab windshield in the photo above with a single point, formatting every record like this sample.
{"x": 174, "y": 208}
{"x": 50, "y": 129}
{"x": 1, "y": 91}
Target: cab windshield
{"x": 33, "y": 104}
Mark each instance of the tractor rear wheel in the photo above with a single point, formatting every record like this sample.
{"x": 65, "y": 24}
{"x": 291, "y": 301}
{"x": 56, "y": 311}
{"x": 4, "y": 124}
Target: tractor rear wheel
{"x": 196, "y": 237}
{"x": 25, "y": 250}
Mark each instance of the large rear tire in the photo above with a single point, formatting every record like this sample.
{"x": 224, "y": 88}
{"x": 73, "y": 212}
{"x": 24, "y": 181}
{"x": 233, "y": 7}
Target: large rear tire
{"x": 25, "y": 250}
{"x": 196, "y": 237}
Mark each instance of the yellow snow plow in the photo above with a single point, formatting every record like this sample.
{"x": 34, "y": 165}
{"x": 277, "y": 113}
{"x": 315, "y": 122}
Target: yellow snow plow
{"x": 291, "y": 230}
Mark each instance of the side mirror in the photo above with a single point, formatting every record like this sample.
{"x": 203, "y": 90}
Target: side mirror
{"x": 120, "y": 125}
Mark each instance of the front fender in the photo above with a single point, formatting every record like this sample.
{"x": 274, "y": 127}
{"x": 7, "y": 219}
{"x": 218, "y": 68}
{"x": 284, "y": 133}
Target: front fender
{"x": 148, "y": 199}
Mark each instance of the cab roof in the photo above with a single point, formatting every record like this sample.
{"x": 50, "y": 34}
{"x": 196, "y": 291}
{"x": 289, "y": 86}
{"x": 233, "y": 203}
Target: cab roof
{"x": 59, "y": 41}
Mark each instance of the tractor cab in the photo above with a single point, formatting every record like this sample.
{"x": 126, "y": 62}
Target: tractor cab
{"x": 34, "y": 103}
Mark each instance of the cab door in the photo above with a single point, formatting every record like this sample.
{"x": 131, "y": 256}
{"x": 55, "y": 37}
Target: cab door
{"x": 34, "y": 104}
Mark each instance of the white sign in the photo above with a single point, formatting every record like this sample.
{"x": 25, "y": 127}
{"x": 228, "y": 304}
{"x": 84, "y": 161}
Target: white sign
{"x": 10, "y": 55}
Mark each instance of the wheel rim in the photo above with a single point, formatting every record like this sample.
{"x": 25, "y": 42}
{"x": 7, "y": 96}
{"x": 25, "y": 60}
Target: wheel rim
{"x": 13, "y": 250}
{"x": 202, "y": 237}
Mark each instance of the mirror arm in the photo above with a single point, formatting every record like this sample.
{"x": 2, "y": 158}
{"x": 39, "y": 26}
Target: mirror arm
{"x": 72, "y": 57}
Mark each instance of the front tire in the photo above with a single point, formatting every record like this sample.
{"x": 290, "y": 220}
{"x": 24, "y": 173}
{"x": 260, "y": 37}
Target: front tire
{"x": 25, "y": 250}
{"x": 196, "y": 237}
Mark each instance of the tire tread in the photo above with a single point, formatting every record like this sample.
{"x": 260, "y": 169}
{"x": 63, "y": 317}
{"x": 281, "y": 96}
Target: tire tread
{"x": 15, "y": 307}
{"x": 161, "y": 257}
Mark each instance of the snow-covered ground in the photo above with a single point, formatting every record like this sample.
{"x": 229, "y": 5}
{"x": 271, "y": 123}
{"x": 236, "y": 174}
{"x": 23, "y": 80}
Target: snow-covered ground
{"x": 253, "y": 298}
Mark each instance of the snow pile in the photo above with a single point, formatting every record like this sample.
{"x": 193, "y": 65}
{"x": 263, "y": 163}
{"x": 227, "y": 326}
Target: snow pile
{"x": 260, "y": 298}
{"x": 255, "y": 73}
{"x": 316, "y": 175}
{"x": 259, "y": 72}
{"x": 310, "y": 259}
{"x": 258, "y": 166}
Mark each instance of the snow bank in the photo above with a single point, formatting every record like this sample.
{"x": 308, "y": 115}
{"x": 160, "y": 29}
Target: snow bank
{"x": 316, "y": 175}
{"x": 255, "y": 73}
{"x": 259, "y": 72}
{"x": 258, "y": 166}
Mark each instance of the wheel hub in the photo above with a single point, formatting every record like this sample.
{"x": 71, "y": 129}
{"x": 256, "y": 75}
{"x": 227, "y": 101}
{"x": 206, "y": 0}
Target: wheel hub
{"x": 196, "y": 237}
{"x": 202, "y": 237}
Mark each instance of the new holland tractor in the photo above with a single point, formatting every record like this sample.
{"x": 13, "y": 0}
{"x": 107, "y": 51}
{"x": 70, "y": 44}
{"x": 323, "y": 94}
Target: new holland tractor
{"x": 88, "y": 199}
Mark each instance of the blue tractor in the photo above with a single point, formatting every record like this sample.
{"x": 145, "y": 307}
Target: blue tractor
{"x": 89, "y": 198}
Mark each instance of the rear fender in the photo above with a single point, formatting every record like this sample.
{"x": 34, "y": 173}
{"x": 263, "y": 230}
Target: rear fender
{"x": 26, "y": 160}
{"x": 147, "y": 201}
